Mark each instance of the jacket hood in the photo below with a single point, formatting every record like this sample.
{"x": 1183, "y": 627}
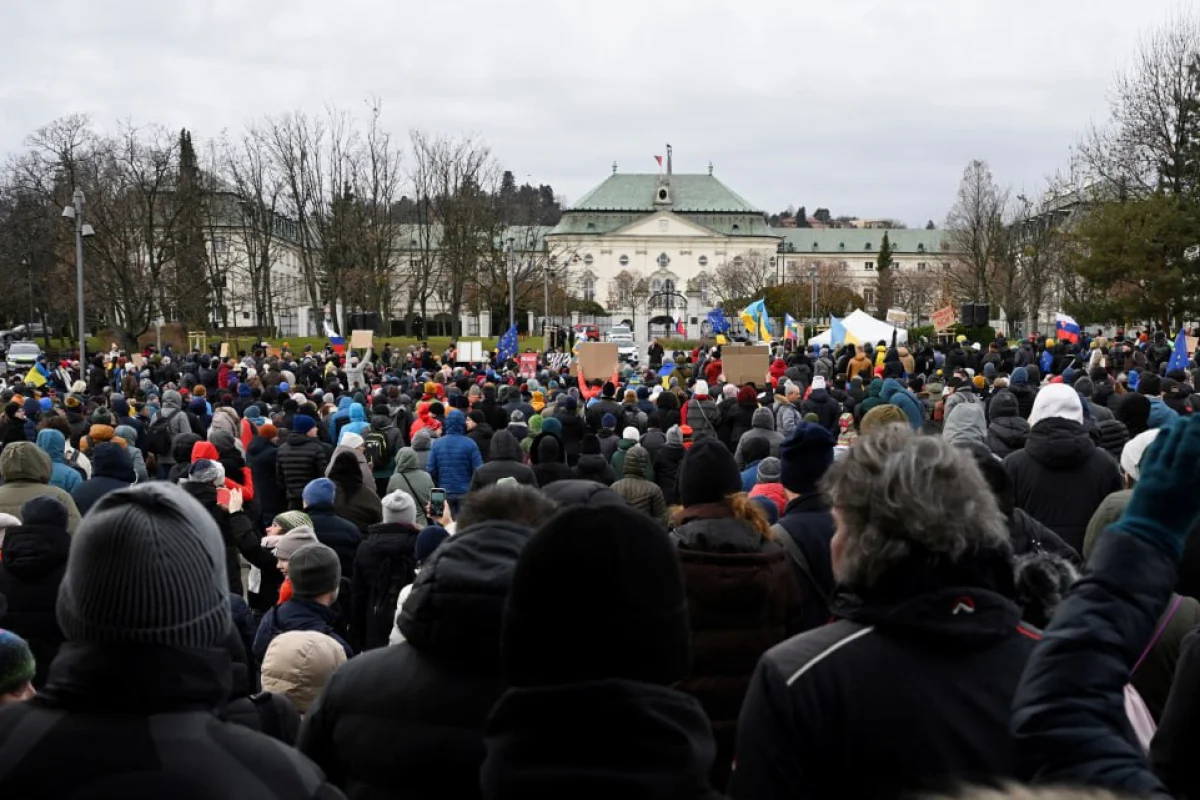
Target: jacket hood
{"x": 762, "y": 418}
{"x": 357, "y": 413}
{"x": 35, "y": 551}
{"x": 891, "y": 387}
{"x": 204, "y": 449}
{"x": 344, "y": 402}
{"x": 344, "y": 468}
{"x": 547, "y": 449}
{"x": 172, "y": 400}
{"x": 1003, "y": 404}
{"x": 875, "y": 388}
{"x": 456, "y": 423}
{"x": 23, "y": 462}
{"x": 965, "y": 423}
{"x": 505, "y": 447}
{"x": 53, "y": 444}
{"x": 456, "y": 607}
{"x": 637, "y": 458}
{"x": 548, "y": 741}
{"x": 406, "y": 460}
{"x": 423, "y": 440}
{"x": 1059, "y": 444}
{"x": 380, "y": 422}
{"x": 1007, "y": 434}
{"x": 181, "y": 448}
{"x": 112, "y": 461}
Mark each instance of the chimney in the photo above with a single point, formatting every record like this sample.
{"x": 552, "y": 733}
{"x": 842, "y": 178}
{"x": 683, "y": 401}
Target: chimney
{"x": 668, "y": 161}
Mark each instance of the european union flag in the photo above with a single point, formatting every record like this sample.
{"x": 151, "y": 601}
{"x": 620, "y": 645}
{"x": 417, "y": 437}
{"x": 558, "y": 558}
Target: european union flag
{"x": 716, "y": 318}
{"x": 506, "y": 348}
{"x": 1179, "y": 358}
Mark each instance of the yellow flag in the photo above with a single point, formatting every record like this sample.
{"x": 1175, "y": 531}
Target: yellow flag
{"x": 34, "y": 377}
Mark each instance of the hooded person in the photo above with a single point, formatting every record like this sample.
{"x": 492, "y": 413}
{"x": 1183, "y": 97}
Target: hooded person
{"x": 821, "y": 403}
{"x": 505, "y": 460}
{"x": 136, "y": 457}
{"x": 144, "y": 597}
{"x": 921, "y": 559}
{"x": 371, "y": 732}
{"x": 637, "y": 486}
{"x": 26, "y": 471}
{"x": 35, "y": 560}
{"x": 548, "y": 458}
{"x": 384, "y": 564}
{"x": 112, "y": 469}
{"x": 667, "y": 464}
{"x": 762, "y": 426}
{"x": 701, "y": 413}
{"x": 894, "y": 393}
{"x": 965, "y": 423}
{"x": 742, "y": 595}
{"x": 1060, "y": 477}
{"x": 592, "y": 465}
{"x": 591, "y": 711}
{"x": 298, "y": 664}
{"x": 355, "y": 497}
{"x": 54, "y": 445}
{"x": 453, "y": 459}
{"x": 1019, "y": 385}
{"x": 1007, "y": 429}
{"x": 411, "y": 478}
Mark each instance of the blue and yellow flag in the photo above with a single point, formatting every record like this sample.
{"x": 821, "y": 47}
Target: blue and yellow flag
{"x": 750, "y": 316}
{"x": 35, "y": 377}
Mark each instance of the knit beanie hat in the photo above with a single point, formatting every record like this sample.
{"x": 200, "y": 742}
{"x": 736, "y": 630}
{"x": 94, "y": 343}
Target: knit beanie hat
{"x": 17, "y": 666}
{"x": 608, "y": 421}
{"x": 886, "y": 414}
{"x": 319, "y": 492}
{"x": 293, "y": 540}
{"x": 589, "y": 445}
{"x": 674, "y": 435}
{"x": 805, "y": 456}
{"x": 102, "y": 416}
{"x": 399, "y": 507}
{"x": 314, "y": 570}
{"x": 428, "y": 540}
{"x": 44, "y": 510}
{"x": 147, "y": 566}
{"x": 769, "y": 470}
{"x": 290, "y": 520}
{"x": 597, "y": 594}
{"x": 267, "y": 430}
{"x": 1056, "y": 400}
{"x": 708, "y": 473}
{"x": 631, "y": 433}
{"x": 552, "y": 426}
{"x": 1135, "y": 448}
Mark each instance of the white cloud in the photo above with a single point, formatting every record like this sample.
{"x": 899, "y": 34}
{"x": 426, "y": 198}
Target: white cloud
{"x": 865, "y": 107}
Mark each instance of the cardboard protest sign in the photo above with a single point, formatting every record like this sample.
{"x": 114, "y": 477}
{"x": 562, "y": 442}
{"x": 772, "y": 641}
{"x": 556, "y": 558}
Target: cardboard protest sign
{"x": 361, "y": 339}
{"x": 746, "y": 363}
{"x": 274, "y": 352}
{"x": 470, "y": 352}
{"x": 944, "y": 318}
{"x": 136, "y": 360}
{"x": 224, "y": 349}
{"x": 598, "y": 359}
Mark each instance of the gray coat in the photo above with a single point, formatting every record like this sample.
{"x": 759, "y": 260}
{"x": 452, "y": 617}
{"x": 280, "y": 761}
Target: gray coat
{"x": 762, "y": 426}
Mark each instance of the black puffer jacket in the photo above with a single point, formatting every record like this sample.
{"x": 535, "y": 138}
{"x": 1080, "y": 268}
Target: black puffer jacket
{"x": 1007, "y": 435}
{"x": 1113, "y": 436}
{"x": 237, "y": 532}
{"x": 271, "y": 495}
{"x": 821, "y": 403}
{"x": 35, "y": 558}
{"x": 373, "y": 732}
{"x": 1061, "y": 477}
{"x": 666, "y": 470}
{"x": 505, "y": 459}
{"x": 384, "y": 563}
{"x": 138, "y": 722}
{"x": 300, "y": 460}
{"x": 112, "y": 469}
{"x": 549, "y": 461}
{"x": 603, "y": 739}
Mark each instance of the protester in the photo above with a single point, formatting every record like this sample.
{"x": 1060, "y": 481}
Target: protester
{"x": 316, "y": 576}
{"x": 453, "y": 459}
{"x": 383, "y": 565}
{"x": 54, "y": 445}
{"x": 298, "y": 664}
{"x": 637, "y": 488}
{"x": 18, "y": 669}
{"x": 26, "y": 472}
{"x": 413, "y": 480}
{"x": 112, "y": 469}
{"x": 504, "y": 460}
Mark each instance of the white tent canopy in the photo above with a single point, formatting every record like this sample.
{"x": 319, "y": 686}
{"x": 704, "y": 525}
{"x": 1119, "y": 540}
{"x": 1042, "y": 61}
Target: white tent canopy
{"x": 862, "y": 328}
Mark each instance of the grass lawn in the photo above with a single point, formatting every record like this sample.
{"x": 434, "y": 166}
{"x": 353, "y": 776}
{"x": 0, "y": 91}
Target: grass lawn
{"x": 297, "y": 343}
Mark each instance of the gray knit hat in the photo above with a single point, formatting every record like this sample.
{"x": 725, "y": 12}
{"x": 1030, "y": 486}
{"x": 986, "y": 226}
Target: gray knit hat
{"x": 147, "y": 566}
{"x": 769, "y": 470}
{"x": 314, "y": 570}
{"x": 398, "y": 506}
{"x": 203, "y": 470}
{"x": 293, "y": 540}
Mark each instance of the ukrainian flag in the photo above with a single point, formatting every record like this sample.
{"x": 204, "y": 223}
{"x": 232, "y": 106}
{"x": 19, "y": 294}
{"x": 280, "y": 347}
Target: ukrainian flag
{"x": 752, "y": 315}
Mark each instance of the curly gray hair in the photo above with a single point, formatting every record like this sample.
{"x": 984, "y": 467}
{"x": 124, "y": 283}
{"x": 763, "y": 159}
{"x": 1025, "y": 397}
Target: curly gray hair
{"x": 898, "y": 495}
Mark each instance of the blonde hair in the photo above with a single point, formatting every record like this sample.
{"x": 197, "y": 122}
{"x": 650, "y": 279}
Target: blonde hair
{"x": 743, "y": 508}
{"x": 1012, "y": 791}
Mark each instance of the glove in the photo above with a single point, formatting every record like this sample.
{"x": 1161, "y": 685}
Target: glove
{"x": 1166, "y": 500}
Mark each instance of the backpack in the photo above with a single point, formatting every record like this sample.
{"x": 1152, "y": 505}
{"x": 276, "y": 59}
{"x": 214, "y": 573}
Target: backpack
{"x": 377, "y": 450}
{"x": 385, "y": 593}
{"x": 158, "y": 437}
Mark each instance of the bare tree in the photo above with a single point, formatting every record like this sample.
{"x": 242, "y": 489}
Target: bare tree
{"x": 745, "y": 275}
{"x": 917, "y": 292}
{"x": 976, "y": 230}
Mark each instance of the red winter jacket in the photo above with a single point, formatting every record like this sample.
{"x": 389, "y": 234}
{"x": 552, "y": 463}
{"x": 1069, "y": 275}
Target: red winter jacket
{"x": 245, "y": 485}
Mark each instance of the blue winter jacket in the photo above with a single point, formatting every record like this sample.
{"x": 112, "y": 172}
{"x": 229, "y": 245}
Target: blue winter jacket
{"x": 358, "y": 421}
{"x": 343, "y": 412}
{"x": 297, "y": 614}
{"x": 454, "y": 458}
{"x": 54, "y": 444}
{"x": 894, "y": 392}
{"x": 1161, "y": 414}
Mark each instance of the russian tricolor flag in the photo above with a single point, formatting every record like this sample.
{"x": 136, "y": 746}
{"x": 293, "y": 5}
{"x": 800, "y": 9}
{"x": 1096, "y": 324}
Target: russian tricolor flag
{"x": 1066, "y": 329}
{"x": 335, "y": 339}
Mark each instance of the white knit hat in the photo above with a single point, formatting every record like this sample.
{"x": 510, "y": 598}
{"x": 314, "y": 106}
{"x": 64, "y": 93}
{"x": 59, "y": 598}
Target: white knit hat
{"x": 1135, "y": 448}
{"x": 350, "y": 439}
{"x": 631, "y": 433}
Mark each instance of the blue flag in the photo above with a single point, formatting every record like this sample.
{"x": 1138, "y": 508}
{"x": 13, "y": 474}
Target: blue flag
{"x": 837, "y": 331}
{"x": 1179, "y": 358}
{"x": 716, "y": 318}
{"x": 506, "y": 348}
{"x": 666, "y": 369}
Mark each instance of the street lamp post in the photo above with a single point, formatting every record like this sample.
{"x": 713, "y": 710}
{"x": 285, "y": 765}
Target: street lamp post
{"x": 812, "y": 275}
{"x": 546, "y": 296}
{"x": 512, "y": 282}
{"x": 74, "y": 212}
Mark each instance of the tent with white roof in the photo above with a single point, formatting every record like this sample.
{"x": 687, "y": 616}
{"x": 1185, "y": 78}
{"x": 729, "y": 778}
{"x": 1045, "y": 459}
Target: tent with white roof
{"x": 862, "y": 328}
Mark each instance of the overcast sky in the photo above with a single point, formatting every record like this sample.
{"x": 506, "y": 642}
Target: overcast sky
{"x": 866, "y": 107}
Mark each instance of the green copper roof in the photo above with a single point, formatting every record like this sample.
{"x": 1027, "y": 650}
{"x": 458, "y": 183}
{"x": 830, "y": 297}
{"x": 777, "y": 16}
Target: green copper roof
{"x": 855, "y": 240}
{"x": 689, "y": 194}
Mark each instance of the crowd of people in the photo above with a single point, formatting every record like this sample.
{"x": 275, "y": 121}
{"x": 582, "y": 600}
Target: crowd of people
{"x": 878, "y": 571}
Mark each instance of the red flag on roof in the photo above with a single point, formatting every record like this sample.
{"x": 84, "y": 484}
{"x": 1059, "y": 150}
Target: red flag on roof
{"x": 659, "y": 160}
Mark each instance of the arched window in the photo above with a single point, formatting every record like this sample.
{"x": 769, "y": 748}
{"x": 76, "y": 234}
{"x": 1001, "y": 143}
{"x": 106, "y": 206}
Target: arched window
{"x": 663, "y": 260}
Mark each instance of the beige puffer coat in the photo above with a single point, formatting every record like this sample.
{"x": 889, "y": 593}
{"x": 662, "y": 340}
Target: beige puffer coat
{"x": 297, "y": 665}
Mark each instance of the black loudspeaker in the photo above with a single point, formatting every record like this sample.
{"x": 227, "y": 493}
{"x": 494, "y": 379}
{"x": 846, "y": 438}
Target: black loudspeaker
{"x": 967, "y": 315}
{"x": 982, "y": 312}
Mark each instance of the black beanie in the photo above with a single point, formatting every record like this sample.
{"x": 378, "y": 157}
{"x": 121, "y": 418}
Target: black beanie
{"x": 708, "y": 473}
{"x": 45, "y": 510}
{"x": 590, "y": 446}
{"x": 147, "y": 566}
{"x": 805, "y": 457}
{"x": 598, "y": 593}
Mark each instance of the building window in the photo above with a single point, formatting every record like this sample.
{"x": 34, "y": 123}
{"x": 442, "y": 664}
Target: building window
{"x": 685, "y": 252}
{"x": 737, "y": 227}
{"x": 591, "y": 226}
{"x": 219, "y": 245}
{"x": 895, "y": 265}
{"x": 605, "y": 252}
{"x": 588, "y": 260}
{"x": 921, "y": 247}
{"x": 867, "y": 247}
{"x": 869, "y": 266}
{"x": 589, "y": 288}
{"x": 945, "y": 265}
{"x": 245, "y": 315}
{"x": 702, "y": 261}
{"x": 737, "y": 261}
{"x": 624, "y": 260}
{"x": 869, "y": 297}
{"x": 663, "y": 260}
{"x": 921, "y": 265}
